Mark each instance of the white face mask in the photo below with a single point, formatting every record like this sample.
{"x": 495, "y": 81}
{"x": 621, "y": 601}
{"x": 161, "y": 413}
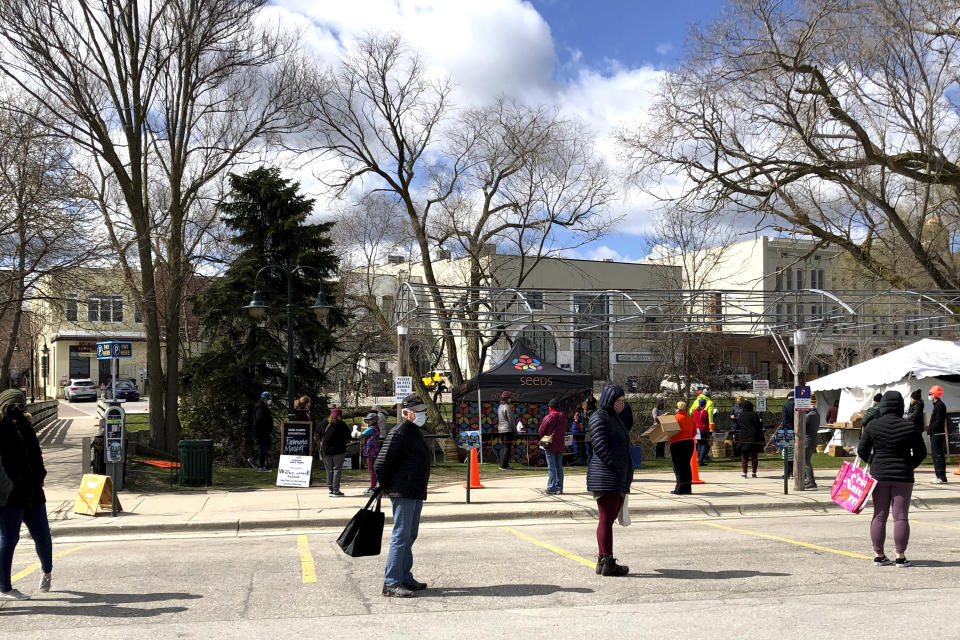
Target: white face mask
{"x": 268, "y": 401}
{"x": 420, "y": 419}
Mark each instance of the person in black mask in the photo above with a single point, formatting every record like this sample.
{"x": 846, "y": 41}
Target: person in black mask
{"x": 23, "y": 501}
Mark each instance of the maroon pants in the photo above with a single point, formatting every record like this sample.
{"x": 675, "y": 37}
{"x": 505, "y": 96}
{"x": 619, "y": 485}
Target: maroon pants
{"x": 609, "y": 507}
{"x": 885, "y": 495}
{"x": 373, "y": 476}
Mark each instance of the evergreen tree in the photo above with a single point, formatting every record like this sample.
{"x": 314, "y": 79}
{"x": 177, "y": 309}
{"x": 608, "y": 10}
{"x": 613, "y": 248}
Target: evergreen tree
{"x": 244, "y": 356}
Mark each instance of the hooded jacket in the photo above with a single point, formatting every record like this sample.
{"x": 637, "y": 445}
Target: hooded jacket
{"x": 890, "y": 444}
{"x": 611, "y": 468}
{"x": 938, "y": 418}
{"x": 262, "y": 421}
{"x": 22, "y": 462}
{"x": 750, "y": 431}
{"x": 709, "y": 408}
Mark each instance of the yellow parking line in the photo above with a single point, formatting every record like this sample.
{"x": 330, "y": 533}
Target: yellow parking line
{"x": 787, "y": 540}
{"x": 36, "y": 565}
{"x": 566, "y": 554}
{"x": 306, "y": 560}
{"x": 934, "y": 524}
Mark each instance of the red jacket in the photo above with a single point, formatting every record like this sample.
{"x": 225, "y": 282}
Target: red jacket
{"x": 702, "y": 419}
{"x": 555, "y": 424}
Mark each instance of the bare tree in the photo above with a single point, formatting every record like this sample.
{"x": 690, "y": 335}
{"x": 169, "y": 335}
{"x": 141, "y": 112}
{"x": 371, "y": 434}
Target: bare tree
{"x": 529, "y": 173}
{"x": 829, "y": 118}
{"x": 161, "y": 97}
{"x": 45, "y": 222}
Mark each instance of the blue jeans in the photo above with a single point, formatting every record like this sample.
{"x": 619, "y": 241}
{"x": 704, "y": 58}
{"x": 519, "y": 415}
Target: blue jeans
{"x": 406, "y": 525}
{"x": 36, "y": 520}
{"x": 554, "y": 470}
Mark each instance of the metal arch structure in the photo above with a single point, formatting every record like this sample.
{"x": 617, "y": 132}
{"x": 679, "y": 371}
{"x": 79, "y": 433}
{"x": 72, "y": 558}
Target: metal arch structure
{"x": 647, "y": 313}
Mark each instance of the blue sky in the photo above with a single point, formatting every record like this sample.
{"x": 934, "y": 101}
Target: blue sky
{"x": 634, "y": 33}
{"x": 598, "y": 60}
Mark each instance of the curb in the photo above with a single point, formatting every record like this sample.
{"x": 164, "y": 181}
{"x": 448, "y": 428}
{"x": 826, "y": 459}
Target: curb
{"x": 119, "y": 527}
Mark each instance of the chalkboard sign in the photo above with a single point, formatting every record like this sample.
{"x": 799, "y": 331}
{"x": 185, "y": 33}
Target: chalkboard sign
{"x": 296, "y": 438}
{"x": 953, "y": 434}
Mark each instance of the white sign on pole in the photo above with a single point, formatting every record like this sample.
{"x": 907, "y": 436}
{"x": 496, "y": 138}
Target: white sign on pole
{"x": 403, "y": 386}
{"x": 761, "y": 403}
{"x": 294, "y": 471}
{"x": 761, "y": 386}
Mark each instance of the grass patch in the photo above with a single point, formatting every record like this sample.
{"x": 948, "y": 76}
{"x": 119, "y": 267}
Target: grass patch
{"x": 138, "y": 422}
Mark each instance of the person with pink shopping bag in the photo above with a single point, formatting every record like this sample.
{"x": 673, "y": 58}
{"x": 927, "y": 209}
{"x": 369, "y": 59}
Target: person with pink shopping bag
{"x": 893, "y": 449}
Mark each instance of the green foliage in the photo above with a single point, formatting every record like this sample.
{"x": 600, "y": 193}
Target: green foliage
{"x": 244, "y": 356}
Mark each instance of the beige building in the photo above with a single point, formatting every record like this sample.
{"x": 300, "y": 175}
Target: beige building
{"x": 560, "y": 310}
{"x": 72, "y": 319}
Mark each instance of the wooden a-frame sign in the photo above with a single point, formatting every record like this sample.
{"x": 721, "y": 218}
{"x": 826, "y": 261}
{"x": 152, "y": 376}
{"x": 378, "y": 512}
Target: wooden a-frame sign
{"x": 95, "y": 492}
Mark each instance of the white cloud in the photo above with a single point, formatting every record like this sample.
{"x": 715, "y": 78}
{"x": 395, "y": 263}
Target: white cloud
{"x": 664, "y": 48}
{"x": 493, "y": 48}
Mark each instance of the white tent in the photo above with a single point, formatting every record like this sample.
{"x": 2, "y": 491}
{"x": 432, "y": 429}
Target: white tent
{"x": 916, "y": 366}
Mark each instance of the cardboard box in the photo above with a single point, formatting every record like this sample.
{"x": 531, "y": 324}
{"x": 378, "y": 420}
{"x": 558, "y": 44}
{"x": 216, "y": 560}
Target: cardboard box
{"x": 662, "y": 432}
{"x": 856, "y": 420}
{"x": 836, "y": 451}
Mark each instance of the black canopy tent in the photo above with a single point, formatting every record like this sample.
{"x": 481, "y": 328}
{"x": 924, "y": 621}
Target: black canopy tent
{"x": 523, "y": 374}
{"x": 531, "y": 382}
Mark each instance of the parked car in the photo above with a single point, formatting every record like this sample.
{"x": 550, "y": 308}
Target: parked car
{"x": 126, "y": 390}
{"x": 672, "y": 384}
{"x": 80, "y": 388}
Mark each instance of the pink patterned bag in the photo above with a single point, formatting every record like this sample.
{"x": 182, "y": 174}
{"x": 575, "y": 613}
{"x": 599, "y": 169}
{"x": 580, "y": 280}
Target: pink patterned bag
{"x": 853, "y": 486}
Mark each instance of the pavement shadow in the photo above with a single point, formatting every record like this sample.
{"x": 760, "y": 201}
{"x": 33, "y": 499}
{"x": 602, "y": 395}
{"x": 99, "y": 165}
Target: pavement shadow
{"x": 935, "y": 563}
{"x": 504, "y": 591}
{"x": 100, "y": 605}
{"x": 696, "y": 574}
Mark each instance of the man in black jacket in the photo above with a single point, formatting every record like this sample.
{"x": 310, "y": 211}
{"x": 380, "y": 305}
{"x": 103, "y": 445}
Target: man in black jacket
{"x": 403, "y": 470}
{"x": 262, "y": 430}
{"x": 938, "y": 434}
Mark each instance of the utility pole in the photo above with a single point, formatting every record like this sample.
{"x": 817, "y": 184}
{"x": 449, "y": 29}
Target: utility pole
{"x": 402, "y": 352}
{"x": 799, "y": 417}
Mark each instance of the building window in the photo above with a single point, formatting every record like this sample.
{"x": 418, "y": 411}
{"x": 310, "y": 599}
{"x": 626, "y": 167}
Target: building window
{"x": 779, "y": 312}
{"x": 752, "y": 358}
{"x": 789, "y": 279}
{"x": 137, "y": 313}
{"x": 779, "y": 286}
{"x": 820, "y": 278}
{"x": 813, "y": 279}
{"x": 535, "y": 299}
{"x": 799, "y": 278}
{"x": 70, "y": 307}
{"x": 105, "y": 309}
{"x": 79, "y": 362}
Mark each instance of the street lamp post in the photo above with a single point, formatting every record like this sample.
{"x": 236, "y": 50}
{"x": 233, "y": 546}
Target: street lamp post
{"x": 45, "y": 366}
{"x": 258, "y": 308}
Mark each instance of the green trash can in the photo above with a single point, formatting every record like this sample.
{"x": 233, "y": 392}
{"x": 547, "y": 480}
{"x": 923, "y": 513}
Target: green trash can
{"x": 196, "y": 463}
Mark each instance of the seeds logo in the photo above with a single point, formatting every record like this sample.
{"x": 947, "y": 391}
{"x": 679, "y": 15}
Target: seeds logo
{"x": 526, "y": 363}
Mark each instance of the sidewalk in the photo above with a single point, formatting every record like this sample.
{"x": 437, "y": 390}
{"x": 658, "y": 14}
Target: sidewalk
{"x": 504, "y": 498}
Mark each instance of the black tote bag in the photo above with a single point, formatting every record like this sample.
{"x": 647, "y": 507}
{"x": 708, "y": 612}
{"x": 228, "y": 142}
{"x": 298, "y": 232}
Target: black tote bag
{"x": 362, "y": 535}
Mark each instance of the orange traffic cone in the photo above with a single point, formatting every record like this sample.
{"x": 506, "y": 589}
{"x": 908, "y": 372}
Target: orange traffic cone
{"x": 695, "y": 468}
{"x": 957, "y": 472}
{"x": 474, "y": 472}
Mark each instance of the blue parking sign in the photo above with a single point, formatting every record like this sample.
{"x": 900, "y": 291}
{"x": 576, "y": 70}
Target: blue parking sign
{"x": 802, "y": 397}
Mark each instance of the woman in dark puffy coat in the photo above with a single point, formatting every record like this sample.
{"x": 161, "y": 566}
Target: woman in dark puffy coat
{"x": 610, "y": 473}
{"x": 21, "y": 496}
{"x": 750, "y": 438}
{"x": 893, "y": 448}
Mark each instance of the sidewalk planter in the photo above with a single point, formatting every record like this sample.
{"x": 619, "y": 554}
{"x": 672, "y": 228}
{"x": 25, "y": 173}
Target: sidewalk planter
{"x": 196, "y": 463}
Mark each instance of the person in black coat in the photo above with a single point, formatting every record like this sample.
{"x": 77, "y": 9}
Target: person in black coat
{"x": 23, "y": 500}
{"x": 892, "y": 448}
{"x": 262, "y": 431}
{"x": 609, "y": 474}
{"x": 937, "y": 432}
{"x": 403, "y": 471}
{"x": 749, "y": 437}
{"x": 915, "y": 410}
{"x": 333, "y": 450}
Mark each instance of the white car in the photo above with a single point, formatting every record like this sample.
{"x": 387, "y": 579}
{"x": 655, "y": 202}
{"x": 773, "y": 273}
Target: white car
{"x": 672, "y": 384}
{"x": 80, "y": 388}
